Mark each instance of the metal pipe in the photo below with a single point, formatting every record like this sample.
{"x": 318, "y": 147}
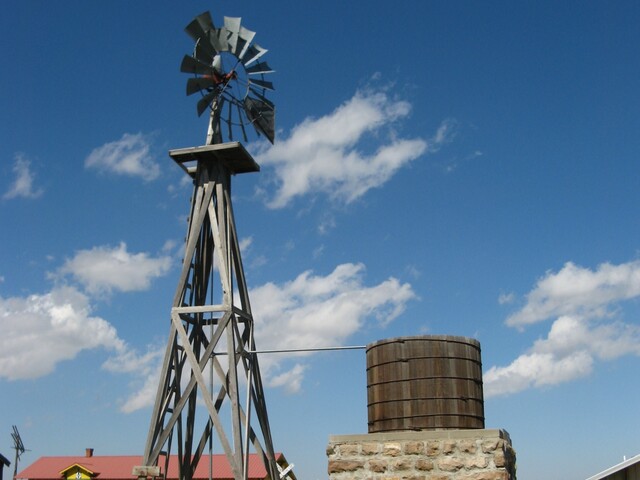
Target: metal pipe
{"x": 318, "y": 349}
{"x": 294, "y": 350}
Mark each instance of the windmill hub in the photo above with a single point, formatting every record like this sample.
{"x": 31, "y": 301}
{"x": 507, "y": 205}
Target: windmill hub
{"x": 234, "y": 83}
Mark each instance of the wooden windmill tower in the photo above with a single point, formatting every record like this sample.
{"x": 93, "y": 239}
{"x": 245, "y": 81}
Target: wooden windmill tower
{"x": 210, "y": 389}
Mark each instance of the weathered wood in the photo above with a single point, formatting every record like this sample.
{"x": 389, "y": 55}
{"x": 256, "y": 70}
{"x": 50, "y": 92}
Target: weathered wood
{"x": 231, "y": 154}
{"x": 204, "y": 297}
{"x": 427, "y": 382}
{"x": 144, "y": 472}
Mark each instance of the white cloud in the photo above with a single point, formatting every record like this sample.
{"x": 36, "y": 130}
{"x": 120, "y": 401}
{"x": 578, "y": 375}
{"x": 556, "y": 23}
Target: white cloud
{"x": 143, "y": 397}
{"x": 445, "y": 134}
{"x": 170, "y": 246}
{"x": 314, "y": 311}
{"x": 146, "y": 370}
{"x": 129, "y": 361}
{"x": 128, "y": 156}
{"x": 22, "y": 186}
{"x": 535, "y": 370}
{"x": 576, "y": 290}
{"x": 245, "y": 244}
{"x": 583, "y": 304}
{"x": 317, "y": 252}
{"x": 40, "y": 331}
{"x": 505, "y": 298}
{"x": 327, "y": 223}
{"x": 326, "y": 155}
{"x": 291, "y": 380}
{"x": 185, "y": 183}
{"x": 310, "y": 311}
{"x": 103, "y": 269}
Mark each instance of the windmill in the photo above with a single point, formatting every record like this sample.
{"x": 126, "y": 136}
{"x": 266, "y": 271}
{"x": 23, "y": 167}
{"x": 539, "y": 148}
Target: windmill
{"x": 211, "y": 332}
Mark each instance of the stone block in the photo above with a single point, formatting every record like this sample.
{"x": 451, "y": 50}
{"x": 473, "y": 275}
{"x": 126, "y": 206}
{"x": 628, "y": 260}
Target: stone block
{"x": 491, "y": 445}
{"x": 392, "y": 449}
{"x": 450, "y": 464}
{"x": 467, "y": 446}
{"x": 349, "y": 449}
{"x": 378, "y": 466}
{"x": 433, "y": 448}
{"x": 414, "y": 448}
{"x": 476, "y": 462}
{"x": 370, "y": 448}
{"x": 449, "y": 447}
{"x": 424, "y": 465}
{"x": 401, "y": 464}
{"x": 338, "y": 466}
{"x": 488, "y": 475}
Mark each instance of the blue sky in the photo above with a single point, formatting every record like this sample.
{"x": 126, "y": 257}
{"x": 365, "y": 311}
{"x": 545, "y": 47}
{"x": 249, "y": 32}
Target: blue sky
{"x": 460, "y": 168}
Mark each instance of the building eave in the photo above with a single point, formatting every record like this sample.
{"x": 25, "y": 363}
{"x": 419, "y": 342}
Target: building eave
{"x": 616, "y": 468}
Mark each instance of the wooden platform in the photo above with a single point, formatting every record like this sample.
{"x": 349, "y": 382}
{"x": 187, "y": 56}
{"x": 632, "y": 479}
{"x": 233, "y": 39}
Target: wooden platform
{"x": 232, "y": 154}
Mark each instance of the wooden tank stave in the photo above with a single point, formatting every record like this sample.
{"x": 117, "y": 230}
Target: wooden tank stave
{"x": 424, "y": 383}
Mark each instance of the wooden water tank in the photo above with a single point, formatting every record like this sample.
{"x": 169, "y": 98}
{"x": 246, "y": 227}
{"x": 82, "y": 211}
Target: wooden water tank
{"x": 429, "y": 382}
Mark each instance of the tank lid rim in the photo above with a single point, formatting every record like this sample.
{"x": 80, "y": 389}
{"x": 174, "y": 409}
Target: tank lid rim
{"x": 436, "y": 338}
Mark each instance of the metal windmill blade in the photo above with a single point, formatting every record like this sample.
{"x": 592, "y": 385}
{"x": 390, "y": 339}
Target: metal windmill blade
{"x": 206, "y": 100}
{"x": 193, "y": 65}
{"x": 262, "y": 84}
{"x": 258, "y": 68}
{"x": 232, "y": 24}
{"x": 245, "y": 37}
{"x": 262, "y": 116}
{"x": 258, "y": 94}
{"x": 254, "y": 52}
{"x": 198, "y": 30}
{"x": 196, "y": 84}
{"x": 199, "y": 26}
{"x": 227, "y": 73}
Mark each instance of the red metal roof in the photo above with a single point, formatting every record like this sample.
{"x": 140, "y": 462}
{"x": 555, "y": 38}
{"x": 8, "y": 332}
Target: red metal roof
{"x": 119, "y": 467}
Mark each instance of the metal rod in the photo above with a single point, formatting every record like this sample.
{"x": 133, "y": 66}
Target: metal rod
{"x": 318, "y": 349}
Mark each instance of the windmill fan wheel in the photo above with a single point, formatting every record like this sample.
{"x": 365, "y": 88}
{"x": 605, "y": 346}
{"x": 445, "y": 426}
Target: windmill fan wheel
{"x": 230, "y": 76}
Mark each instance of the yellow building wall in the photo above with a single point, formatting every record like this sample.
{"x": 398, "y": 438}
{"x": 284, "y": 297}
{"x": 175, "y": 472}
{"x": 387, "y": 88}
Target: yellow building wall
{"x": 77, "y": 473}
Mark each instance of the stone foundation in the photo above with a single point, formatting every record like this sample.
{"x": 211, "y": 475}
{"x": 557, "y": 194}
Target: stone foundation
{"x": 424, "y": 455}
